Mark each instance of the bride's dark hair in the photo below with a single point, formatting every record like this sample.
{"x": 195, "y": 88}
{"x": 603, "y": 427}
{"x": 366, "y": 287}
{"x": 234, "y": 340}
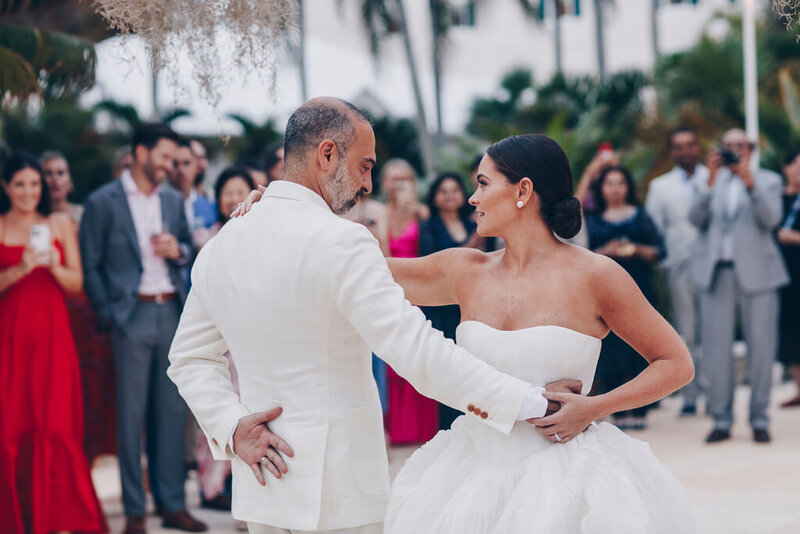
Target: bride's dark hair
{"x": 541, "y": 159}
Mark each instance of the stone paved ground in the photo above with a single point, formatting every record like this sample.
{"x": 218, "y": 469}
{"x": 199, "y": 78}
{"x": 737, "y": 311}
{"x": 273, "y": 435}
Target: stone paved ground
{"x": 736, "y": 487}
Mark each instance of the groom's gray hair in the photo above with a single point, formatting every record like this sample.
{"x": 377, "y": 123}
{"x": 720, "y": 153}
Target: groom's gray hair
{"x": 320, "y": 119}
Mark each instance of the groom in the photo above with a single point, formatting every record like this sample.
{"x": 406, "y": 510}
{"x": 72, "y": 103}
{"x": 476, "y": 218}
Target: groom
{"x": 299, "y": 296}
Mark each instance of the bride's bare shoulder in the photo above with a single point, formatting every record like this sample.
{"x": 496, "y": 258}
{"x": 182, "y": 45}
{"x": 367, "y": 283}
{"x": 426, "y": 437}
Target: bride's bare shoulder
{"x": 600, "y": 272}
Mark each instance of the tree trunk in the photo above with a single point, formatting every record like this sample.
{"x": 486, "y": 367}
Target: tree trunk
{"x": 600, "y": 39}
{"x": 422, "y": 129}
{"x": 301, "y": 51}
{"x": 654, "y": 29}
{"x": 557, "y": 36}
{"x": 437, "y": 62}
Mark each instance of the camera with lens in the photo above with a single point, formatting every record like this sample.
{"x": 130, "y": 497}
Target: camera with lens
{"x": 728, "y": 157}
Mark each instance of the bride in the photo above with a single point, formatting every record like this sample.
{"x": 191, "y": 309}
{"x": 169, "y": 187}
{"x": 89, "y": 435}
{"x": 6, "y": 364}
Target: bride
{"x": 565, "y": 474}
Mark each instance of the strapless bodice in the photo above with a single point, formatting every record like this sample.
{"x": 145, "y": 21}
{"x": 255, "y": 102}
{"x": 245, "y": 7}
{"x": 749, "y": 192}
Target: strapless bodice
{"x": 539, "y": 355}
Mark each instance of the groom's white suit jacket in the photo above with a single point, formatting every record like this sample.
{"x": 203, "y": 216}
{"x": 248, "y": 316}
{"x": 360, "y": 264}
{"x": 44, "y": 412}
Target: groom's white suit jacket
{"x": 300, "y": 296}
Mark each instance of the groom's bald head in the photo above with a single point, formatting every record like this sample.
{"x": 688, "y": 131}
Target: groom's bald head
{"x": 317, "y": 120}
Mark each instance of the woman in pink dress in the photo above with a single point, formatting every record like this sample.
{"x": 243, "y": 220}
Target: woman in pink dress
{"x": 411, "y": 417}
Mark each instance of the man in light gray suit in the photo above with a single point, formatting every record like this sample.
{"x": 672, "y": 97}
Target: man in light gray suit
{"x": 737, "y": 263}
{"x": 135, "y": 245}
{"x": 669, "y": 199}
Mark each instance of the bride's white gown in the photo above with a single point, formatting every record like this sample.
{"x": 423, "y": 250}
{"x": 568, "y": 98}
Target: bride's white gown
{"x": 473, "y": 479}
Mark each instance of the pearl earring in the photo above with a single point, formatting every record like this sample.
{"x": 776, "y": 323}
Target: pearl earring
{"x": 520, "y": 203}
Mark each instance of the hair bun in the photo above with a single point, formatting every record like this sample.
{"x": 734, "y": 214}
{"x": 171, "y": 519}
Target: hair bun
{"x": 565, "y": 217}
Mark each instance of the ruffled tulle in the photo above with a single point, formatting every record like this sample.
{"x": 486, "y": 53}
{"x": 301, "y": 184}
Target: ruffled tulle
{"x": 472, "y": 479}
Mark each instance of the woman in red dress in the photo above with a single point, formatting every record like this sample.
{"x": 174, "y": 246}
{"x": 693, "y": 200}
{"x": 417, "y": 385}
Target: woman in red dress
{"x": 411, "y": 417}
{"x": 45, "y": 483}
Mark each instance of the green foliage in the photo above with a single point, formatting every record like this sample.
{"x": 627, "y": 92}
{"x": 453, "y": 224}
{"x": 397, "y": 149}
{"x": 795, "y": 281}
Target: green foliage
{"x": 255, "y": 138}
{"x": 62, "y": 125}
{"x": 396, "y": 138}
{"x": 45, "y": 63}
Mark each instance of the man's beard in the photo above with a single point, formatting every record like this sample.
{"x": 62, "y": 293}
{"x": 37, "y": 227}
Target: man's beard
{"x": 339, "y": 190}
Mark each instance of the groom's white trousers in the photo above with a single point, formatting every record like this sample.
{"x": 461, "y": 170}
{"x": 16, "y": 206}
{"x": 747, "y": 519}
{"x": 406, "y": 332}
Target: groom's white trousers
{"x": 374, "y": 528}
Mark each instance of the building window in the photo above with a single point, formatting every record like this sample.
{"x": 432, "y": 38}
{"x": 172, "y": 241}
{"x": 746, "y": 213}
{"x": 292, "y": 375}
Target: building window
{"x": 463, "y": 14}
{"x": 565, "y": 7}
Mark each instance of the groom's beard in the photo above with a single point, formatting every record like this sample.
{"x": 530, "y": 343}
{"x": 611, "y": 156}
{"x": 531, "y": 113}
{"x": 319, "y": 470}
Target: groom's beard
{"x": 339, "y": 190}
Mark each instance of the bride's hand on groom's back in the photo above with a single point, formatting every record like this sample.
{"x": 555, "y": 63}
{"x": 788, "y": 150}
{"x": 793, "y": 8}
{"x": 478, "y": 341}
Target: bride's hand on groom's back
{"x": 575, "y": 415}
{"x": 258, "y": 447}
{"x": 252, "y": 197}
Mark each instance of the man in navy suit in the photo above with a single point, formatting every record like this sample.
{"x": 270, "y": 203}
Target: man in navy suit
{"x": 135, "y": 245}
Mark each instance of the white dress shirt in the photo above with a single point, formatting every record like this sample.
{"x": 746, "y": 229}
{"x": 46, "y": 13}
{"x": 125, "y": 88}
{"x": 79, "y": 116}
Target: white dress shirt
{"x": 148, "y": 221}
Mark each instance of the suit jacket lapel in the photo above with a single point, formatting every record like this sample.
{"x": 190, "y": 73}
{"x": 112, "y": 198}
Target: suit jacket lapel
{"x": 128, "y": 227}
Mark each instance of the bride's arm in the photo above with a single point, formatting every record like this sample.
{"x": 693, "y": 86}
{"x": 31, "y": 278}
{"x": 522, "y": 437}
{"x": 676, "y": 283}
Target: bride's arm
{"x": 627, "y": 312}
{"x": 429, "y": 281}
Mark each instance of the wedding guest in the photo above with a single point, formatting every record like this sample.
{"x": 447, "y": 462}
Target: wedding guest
{"x": 135, "y": 244}
{"x": 622, "y": 230}
{"x": 255, "y": 170}
{"x": 232, "y": 187}
{"x": 123, "y": 160}
{"x": 789, "y": 240}
{"x": 668, "y": 201}
{"x": 449, "y": 226}
{"x": 201, "y": 213}
{"x": 92, "y": 344}
{"x": 59, "y": 181}
{"x": 604, "y": 157}
{"x": 199, "y": 151}
{"x": 273, "y": 162}
{"x": 46, "y": 482}
{"x": 411, "y": 418}
{"x": 737, "y": 264}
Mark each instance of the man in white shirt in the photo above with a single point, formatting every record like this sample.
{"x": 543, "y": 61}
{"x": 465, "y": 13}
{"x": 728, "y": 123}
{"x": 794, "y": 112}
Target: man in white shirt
{"x": 135, "y": 245}
{"x": 668, "y": 201}
{"x": 299, "y": 296}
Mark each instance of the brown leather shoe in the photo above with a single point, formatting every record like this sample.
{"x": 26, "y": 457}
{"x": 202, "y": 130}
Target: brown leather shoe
{"x": 134, "y": 524}
{"x": 183, "y": 521}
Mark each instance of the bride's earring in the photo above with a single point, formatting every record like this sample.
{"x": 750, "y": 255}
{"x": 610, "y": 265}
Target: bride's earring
{"x": 520, "y": 203}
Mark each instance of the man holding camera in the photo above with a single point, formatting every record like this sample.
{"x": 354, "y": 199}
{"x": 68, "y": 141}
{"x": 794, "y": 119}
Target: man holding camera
{"x": 737, "y": 265}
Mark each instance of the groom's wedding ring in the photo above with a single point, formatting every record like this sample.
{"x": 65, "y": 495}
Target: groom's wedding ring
{"x": 558, "y": 438}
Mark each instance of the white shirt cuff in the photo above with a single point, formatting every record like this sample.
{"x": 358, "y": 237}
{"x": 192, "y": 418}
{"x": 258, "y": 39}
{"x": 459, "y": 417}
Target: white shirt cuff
{"x": 230, "y": 440}
{"x": 534, "y": 405}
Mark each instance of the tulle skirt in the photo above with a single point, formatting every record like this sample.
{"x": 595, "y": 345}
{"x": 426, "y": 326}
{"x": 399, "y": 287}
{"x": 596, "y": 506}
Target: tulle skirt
{"x": 474, "y": 480}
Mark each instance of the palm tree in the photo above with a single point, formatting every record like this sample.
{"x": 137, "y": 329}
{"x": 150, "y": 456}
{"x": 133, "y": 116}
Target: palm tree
{"x": 600, "y": 38}
{"x": 380, "y": 20}
{"x": 654, "y": 29}
{"x": 46, "y": 48}
{"x": 301, "y": 50}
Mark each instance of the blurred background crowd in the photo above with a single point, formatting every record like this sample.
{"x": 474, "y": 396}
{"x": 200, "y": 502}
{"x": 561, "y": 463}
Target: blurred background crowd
{"x": 102, "y": 211}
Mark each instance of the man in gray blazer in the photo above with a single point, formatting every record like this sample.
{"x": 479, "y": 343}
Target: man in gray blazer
{"x": 135, "y": 244}
{"x": 737, "y": 264}
{"x": 669, "y": 199}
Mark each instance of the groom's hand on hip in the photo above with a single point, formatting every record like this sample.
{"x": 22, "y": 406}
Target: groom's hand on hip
{"x": 258, "y": 447}
{"x": 561, "y": 386}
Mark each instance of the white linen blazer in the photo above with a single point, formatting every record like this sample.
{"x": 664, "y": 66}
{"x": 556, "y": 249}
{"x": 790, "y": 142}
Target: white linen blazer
{"x": 300, "y": 296}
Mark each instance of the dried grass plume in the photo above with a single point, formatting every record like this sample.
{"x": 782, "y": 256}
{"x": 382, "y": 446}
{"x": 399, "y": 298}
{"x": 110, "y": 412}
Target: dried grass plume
{"x": 198, "y": 29}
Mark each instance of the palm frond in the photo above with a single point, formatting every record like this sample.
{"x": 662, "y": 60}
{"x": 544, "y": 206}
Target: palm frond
{"x": 124, "y": 112}
{"x": 17, "y": 79}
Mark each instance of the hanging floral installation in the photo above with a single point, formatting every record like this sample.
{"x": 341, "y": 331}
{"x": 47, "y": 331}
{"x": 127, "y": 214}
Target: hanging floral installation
{"x": 787, "y": 10}
{"x": 215, "y": 35}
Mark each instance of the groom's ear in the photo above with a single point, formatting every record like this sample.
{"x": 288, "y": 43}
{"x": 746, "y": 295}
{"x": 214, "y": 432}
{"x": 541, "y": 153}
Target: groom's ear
{"x": 325, "y": 153}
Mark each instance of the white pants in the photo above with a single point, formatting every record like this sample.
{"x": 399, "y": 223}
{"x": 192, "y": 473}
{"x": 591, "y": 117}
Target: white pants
{"x": 374, "y": 528}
